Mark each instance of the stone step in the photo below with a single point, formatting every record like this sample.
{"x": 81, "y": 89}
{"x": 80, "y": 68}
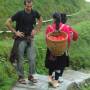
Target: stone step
{"x": 72, "y": 80}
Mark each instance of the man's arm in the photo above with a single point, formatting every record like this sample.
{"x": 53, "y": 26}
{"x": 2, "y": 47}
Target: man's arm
{"x": 9, "y": 25}
{"x": 38, "y": 26}
{"x": 11, "y": 28}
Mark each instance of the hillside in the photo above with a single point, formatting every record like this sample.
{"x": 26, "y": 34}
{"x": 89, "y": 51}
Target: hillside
{"x": 45, "y": 7}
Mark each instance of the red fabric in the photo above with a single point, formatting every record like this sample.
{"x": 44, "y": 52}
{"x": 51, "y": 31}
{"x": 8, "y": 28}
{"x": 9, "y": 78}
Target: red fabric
{"x": 65, "y": 28}
{"x": 75, "y": 35}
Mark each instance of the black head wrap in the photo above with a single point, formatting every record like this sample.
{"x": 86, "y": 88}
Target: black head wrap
{"x": 59, "y": 17}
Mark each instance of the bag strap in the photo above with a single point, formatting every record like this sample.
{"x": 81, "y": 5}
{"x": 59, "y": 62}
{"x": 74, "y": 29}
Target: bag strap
{"x": 59, "y": 28}
{"x": 67, "y": 42}
{"x": 62, "y": 26}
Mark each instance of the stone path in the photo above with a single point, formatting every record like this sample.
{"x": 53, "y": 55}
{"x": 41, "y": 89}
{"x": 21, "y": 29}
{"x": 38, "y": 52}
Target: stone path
{"x": 72, "y": 80}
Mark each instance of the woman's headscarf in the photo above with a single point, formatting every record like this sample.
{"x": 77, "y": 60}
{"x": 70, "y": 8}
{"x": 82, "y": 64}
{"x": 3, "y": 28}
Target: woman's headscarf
{"x": 59, "y": 17}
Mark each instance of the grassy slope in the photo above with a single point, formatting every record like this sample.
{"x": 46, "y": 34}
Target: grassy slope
{"x": 7, "y": 72}
{"x": 9, "y": 7}
{"x": 81, "y": 50}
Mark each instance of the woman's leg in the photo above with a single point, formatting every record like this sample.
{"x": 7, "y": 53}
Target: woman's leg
{"x": 57, "y": 74}
{"x": 55, "y": 81}
{"x": 61, "y": 71}
{"x": 50, "y": 72}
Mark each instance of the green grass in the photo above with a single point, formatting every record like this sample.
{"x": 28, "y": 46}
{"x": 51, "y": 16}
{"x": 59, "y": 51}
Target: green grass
{"x": 9, "y": 7}
{"x": 80, "y": 51}
{"x": 7, "y": 74}
{"x": 85, "y": 87}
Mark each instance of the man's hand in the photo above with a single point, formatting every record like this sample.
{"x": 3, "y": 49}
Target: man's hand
{"x": 33, "y": 33}
{"x": 10, "y": 27}
{"x": 19, "y": 34}
{"x": 37, "y": 28}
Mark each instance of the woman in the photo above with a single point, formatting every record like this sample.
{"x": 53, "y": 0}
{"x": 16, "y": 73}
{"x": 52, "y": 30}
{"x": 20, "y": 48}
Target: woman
{"x": 57, "y": 64}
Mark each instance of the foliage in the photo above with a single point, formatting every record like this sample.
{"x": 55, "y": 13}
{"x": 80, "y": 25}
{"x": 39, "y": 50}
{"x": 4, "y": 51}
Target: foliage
{"x": 80, "y": 16}
{"x": 7, "y": 74}
{"x": 79, "y": 57}
{"x": 45, "y": 7}
{"x": 41, "y": 50}
{"x": 80, "y": 54}
{"x": 87, "y": 87}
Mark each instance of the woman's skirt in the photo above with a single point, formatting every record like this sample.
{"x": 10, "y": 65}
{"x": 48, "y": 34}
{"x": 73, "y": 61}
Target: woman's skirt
{"x": 56, "y": 62}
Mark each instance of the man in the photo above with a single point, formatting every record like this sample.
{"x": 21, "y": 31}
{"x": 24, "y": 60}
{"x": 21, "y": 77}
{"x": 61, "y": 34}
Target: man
{"x": 24, "y": 33}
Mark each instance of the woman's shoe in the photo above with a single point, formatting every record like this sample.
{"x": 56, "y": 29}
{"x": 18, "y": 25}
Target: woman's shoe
{"x": 55, "y": 84}
{"x": 50, "y": 79}
{"x": 61, "y": 79}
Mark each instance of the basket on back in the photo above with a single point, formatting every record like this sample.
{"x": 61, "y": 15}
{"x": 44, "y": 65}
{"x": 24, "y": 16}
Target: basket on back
{"x": 57, "y": 42}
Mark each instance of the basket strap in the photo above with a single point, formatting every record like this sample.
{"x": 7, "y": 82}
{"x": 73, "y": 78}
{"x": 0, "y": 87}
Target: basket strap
{"x": 67, "y": 42}
{"x": 59, "y": 28}
{"x": 62, "y": 26}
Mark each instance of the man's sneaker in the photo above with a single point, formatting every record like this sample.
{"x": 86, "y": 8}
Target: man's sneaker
{"x": 21, "y": 80}
{"x": 32, "y": 79}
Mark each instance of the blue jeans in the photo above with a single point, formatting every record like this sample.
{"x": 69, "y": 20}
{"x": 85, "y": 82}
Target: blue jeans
{"x": 31, "y": 55}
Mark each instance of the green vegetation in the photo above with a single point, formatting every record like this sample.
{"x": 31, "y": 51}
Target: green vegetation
{"x": 85, "y": 87}
{"x": 7, "y": 72}
{"x": 45, "y": 7}
{"x": 80, "y": 54}
{"x": 79, "y": 51}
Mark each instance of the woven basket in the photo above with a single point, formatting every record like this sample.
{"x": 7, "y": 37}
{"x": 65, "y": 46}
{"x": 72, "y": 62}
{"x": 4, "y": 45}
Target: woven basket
{"x": 58, "y": 47}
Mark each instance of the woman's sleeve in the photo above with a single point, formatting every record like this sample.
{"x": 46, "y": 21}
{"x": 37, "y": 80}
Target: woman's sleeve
{"x": 75, "y": 34}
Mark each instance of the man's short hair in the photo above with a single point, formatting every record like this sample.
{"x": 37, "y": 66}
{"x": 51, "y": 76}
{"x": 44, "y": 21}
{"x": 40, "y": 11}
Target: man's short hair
{"x": 27, "y": 1}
